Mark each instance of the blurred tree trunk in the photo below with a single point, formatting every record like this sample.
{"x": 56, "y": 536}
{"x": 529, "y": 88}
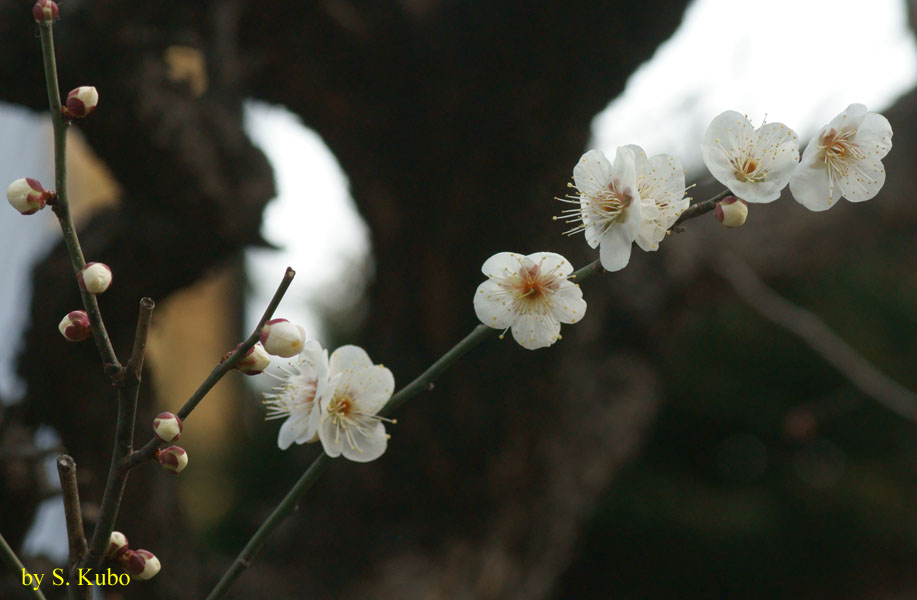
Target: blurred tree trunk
{"x": 457, "y": 124}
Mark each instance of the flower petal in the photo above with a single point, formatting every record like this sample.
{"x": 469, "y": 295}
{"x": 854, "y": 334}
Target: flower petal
{"x": 874, "y": 137}
{"x": 349, "y": 358}
{"x": 592, "y": 173}
{"x": 368, "y": 447}
{"x": 333, "y": 440}
{"x": 501, "y": 264}
{"x": 811, "y": 188}
{"x": 550, "y": 262}
{"x": 727, "y": 136}
{"x": 371, "y": 388}
{"x": 849, "y": 119}
{"x": 567, "y": 302}
{"x": 615, "y": 250}
{"x": 535, "y": 330}
{"x": 493, "y": 305}
{"x": 863, "y": 181}
{"x": 295, "y": 429}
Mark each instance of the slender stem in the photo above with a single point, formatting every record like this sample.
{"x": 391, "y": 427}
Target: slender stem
{"x": 422, "y": 383}
{"x": 61, "y": 206}
{"x": 149, "y": 449}
{"x": 128, "y": 385}
{"x": 821, "y": 338}
{"x": 699, "y": 208}
{"x": 15, "y": 565}
{"x": 66, "y": 470}
{"x": 286, "y": 507}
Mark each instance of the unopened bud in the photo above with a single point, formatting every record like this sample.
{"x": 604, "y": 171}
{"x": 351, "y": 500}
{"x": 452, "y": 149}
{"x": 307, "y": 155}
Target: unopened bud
{"x": 731, "y": 211}
{"x": 117, "y": 545}
{"x": 80, "y": 102}
{"x": 282, "y": 338}
{"x": 45, "y": 10}
{"x": 252, "y": 362}
{"x": 167, "y": 427}
{"x": 94, "y": 277}
{"x": 27, "y": 195}
{"x": 173, "y": 459}
{"x": 75, "y": 326}
{"x": 141, "y": 564}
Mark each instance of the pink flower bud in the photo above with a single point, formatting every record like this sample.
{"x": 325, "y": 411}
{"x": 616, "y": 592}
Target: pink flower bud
{"x": 45, "y": 10}
{"x": 75, "y": 326}
{"x": 141, "y": 564}
{"x": 253, "y": 362}
{"x": 80, "y": 102}
{"x": 117, "y": 545}
{"x": 731, "y": 211}
{"x": 27, "y": 196}
{"x": 173, "y": 459}
{"x": 94, "y": 277}
{"x": 167, "y": 427}
{"x": 282, "y": 338}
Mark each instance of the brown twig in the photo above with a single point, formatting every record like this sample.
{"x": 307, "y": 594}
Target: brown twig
{"x": 61, "y": 205}
{"x": 128, "y": 385}
{"x": 814, "y": 332}
{"x": 699, "y": 208}
{"x": 66, "y": 470}
{"x": 15, "y": 565}
{"x": 149, "y": 449}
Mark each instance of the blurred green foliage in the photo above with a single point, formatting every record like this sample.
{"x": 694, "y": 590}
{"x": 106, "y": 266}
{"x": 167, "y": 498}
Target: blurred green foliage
{"x": 768, "y": 475}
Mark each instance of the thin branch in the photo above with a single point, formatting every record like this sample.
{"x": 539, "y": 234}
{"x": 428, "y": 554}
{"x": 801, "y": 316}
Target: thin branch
{"x": 61, "y": 205}
{"x": 149, "y": 449}
{"x": 424, "y": 382}
{"x": 699, "y": 208}
{"x": 66, "y": 470}
{"x": 128, "y": 388}
{"x": 15, "y": 565}
{"x": 286, "y": 507}
{"x": 814, "y": 332}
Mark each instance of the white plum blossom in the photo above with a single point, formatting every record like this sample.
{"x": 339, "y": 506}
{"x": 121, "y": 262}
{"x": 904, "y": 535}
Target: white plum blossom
{"x": 531, "y": 294}
{"x": 755, "y": 164}
{"x": 660, "y": 182}
{"x": 358, "y": 390}
{"x": 297, "y": 398}
{"x": 608, "y": 206}
{"x": 843, "y": 159}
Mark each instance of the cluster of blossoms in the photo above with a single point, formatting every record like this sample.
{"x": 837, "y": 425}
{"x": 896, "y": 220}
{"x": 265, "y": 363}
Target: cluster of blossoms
{"x": 333, "y": 400}
{"x": 636, "y": 199}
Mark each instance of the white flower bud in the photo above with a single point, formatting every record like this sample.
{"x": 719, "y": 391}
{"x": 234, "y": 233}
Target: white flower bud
{"x": 173, "y": 459}
{"x": 27, "y": 195}
{"x": 45, "y": 10}
{"x": 75, "y": 326}
{"x": 282, "y": 338}
{"x": 731, "y": 211}
{"x": 167, "y": 427}
{"x": 117, "y": 545}
{"x": 81, "y": 101}
{"x": 253, "y": 362}
{"x": 94, "y": 277}
{"x": 141, "y": 564}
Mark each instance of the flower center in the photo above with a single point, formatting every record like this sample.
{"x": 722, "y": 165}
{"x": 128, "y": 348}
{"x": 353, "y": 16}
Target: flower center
{"x": 340, "y": 407}
{"x": 839, "y": 150}
{"x": 532, "y": 288}
{"x": 748, "y": 169}
{"x": 612, "y": 204}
